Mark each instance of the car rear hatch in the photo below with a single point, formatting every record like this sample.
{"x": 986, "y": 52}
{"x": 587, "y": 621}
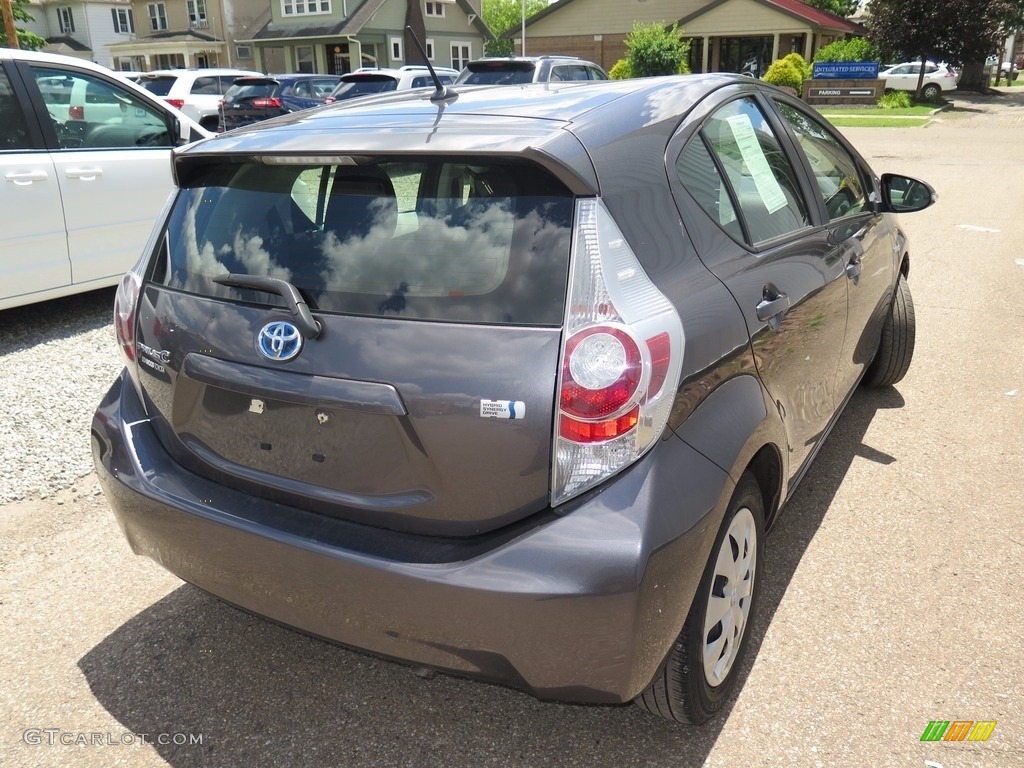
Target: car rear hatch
{"x": 497, "y": 72}
{"x": 417, "y": 391}
{"x": 250, "y": 100}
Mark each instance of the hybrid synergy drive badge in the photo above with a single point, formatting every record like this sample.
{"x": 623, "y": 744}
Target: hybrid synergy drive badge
{"x": 502, "y": 409}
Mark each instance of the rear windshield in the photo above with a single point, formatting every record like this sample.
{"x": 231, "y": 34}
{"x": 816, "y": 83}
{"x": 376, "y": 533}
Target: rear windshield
{"x": 438, "y": 239}
{"x": 502, "y": 73}
{"x": 364, "y": 86}
{"x": 251, "y": 91}
{"x": 160, "y": 86}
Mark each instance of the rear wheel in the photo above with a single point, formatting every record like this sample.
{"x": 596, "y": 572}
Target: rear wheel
{"x": 931, "y": 91}
{"x": 896, "y": 347}
{"x": 702, "y": 668}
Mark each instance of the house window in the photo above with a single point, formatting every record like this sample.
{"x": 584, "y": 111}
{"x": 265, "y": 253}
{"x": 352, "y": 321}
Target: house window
{"x": 305, "y": 7}
{"x": 396, "y": 48}
{"x": 461, "y": 54}
{"x": 304, "y": 60}
{"x": 123, "y": 22}
{"x": 434, "y": 9}
{"x": 430, "y": 48}
{"x": 66, "y": 19}
{"x": 158, "y": 17}
{"x": 197, "y": 14}
{"x": 243, "y": 51}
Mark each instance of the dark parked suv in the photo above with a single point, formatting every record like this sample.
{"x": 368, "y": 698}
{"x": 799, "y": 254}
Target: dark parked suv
{"x": 505, "y": 385}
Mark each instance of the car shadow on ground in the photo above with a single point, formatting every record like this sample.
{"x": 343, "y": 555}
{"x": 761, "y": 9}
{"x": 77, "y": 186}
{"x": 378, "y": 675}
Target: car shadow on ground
{"x": 28, "y": 326}
{"x": 260, "y": 694}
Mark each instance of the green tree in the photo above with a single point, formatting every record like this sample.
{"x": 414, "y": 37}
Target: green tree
{"x": 504, "y": 15}
{"x": 951, "y": 30}
{"x": 26, "y": 40}
{"x": 838, "y": 7}
{"x": 654, "y": 49}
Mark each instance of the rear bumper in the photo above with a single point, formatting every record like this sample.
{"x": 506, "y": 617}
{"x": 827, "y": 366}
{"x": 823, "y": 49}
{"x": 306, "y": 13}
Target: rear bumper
{"x": 580, "y": 608}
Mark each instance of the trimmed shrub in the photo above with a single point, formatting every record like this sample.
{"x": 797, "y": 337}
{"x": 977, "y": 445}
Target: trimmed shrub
{"x": 621, "y": 70}
{"x": 654, "y": 49}
{"x": 798, "y": 61}
{"x": 854, "y": 49}
{"x": 784, "y": 73}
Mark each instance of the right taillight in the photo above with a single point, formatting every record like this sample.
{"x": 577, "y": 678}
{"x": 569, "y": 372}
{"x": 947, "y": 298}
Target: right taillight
{"x": 176, "y": 103}
{"x": 622, "y": 351}
{"x": 126, "y": 302}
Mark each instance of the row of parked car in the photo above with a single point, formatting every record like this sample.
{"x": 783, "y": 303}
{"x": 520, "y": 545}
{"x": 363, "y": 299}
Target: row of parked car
{"x": 222, "y": 99}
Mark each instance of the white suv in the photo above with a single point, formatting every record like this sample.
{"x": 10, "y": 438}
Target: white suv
{"x": 365, "y": 81}
{"x": 196, "y": 92}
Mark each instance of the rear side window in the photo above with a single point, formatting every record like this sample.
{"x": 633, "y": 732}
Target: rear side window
{"x": 754, "y": 169}
{"x": 430, "y": 240}
{"x": 13, "y": 129}
{"x": 208, "y": 86}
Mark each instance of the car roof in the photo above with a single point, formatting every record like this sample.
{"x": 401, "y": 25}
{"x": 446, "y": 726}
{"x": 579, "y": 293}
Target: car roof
{"x": 205, "y": 72}
{"x": 547, "y": 122}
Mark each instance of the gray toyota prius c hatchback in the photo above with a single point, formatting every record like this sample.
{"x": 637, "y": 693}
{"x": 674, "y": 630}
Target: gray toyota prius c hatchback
{"x": 506, "y": 382}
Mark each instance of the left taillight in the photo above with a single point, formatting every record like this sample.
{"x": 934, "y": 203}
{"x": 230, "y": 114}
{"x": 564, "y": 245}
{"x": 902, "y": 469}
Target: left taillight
{"x": 622, "y": 351}
{"x": 126, "y": 303}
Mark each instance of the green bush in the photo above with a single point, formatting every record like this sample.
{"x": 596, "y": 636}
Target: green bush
{"x": 654, "y": 49}
{"x": 621, "y": 70}
{"x": 854, "y": 49}
{"x": 785, "y": 73}
{"x": 798, "y": 61}
{"x": 895, "y": 100}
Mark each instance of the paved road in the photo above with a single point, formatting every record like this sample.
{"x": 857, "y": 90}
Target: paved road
{"x": 892, "y": 590}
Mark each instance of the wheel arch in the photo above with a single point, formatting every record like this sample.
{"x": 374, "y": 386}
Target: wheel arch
{"x": 738, "y": 428}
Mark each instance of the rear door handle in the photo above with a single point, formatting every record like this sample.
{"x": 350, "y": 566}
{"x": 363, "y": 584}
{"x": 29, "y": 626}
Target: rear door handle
{"x": 772, "y": 309}
{"x": 85, "y": 174}
{"x": 853, "y": 270}
{"x": 24, "y": 178}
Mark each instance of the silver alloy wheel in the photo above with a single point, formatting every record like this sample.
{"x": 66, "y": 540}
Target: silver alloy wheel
{"x": 732, "y": 587}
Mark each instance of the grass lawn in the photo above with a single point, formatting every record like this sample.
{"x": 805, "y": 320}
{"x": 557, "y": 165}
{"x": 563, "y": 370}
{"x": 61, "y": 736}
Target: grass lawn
{"x": 874, "y": 121}
{"x": 923, "y": 110}
{"x": 855, "y": 116}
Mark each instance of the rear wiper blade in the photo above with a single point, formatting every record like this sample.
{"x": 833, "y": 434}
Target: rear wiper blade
{"x": 309, "y": 327}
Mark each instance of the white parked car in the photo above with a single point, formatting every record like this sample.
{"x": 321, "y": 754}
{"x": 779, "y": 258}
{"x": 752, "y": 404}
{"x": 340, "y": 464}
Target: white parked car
{"x": 937, "y": 78}
{"x": 196, "y": 92}
{"x": 369, "y": 80}
{"x": 85, "y": 159}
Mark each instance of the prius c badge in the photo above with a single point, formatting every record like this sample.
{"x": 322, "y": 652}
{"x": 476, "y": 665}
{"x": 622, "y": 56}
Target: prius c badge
{"x": 279, "y": 341}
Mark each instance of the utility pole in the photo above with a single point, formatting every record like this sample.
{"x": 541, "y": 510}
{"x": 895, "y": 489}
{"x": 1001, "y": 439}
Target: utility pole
{"x": 523, "y": 42}
{"x": 12, "y": 33}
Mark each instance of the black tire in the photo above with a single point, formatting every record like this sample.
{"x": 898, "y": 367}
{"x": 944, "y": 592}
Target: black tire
{"x": 931, "y": 91}
{"x": 681, "y": 689}
{"x": 896, "y": 347}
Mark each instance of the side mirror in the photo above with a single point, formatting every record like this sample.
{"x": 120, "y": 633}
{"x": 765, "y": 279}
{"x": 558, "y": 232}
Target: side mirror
{"x": 903, "y": 194}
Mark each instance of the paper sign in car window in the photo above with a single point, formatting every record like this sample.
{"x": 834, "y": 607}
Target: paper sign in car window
{"x": 768, "y": 188}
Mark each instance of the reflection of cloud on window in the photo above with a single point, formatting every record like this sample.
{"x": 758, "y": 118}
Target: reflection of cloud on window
{"x": 197, "y": 260}
{"x": 466, "y": 253}
{"x": 207, "y": 259}
{"x": 249, "y": 250}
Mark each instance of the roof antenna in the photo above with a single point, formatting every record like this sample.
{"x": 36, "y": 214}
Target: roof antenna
{"x": 441, "y": 91}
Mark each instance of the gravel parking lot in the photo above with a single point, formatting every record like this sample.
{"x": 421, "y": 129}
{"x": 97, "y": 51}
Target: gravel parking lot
{"x": 892, "y": 584}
